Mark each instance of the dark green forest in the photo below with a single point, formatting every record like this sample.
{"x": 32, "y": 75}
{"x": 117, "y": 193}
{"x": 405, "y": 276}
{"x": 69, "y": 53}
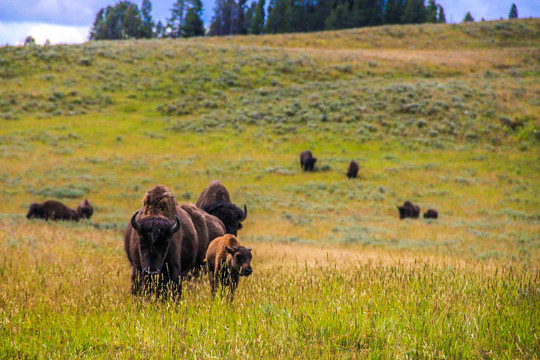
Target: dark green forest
{"x": 125, "y": 20}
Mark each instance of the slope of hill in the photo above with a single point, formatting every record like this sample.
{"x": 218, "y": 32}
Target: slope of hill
{"x": 444, "y": 115}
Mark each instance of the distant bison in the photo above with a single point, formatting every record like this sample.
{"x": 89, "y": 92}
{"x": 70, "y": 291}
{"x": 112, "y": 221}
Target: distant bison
{"x": 431, "y": 214}
{"x": 55, "y": 210}
{"x": 226, "y": 261}
{"x": 307, "y": 161}
{"x": 352, "y": 170}
{"x": 164, "y": 242}
{"x": 216, "y": 201}
{"x": 409, "y": 210}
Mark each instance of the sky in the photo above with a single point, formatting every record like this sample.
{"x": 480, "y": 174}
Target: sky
{"x": 69, "y": 21}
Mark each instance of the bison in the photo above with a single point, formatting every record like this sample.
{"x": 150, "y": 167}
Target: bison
{"x": 307, "y": 161}
{"x": 164, "y": 242}
{"x": 208, "y": 227}
{"x": 431, "y": 214}
{"x": 409, "y": 210}
{"x": 352, "y": 170}
{"x": 216, "y": 201}
{"x": 55, "y": 210}
{"x": 226, "y": 261}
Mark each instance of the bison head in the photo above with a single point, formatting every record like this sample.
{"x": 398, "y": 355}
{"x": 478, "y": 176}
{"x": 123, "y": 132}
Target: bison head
{"x": 231, "y": 215}
{"x": 240, "y": 260}
{"x": 34, "y": 211}
{"x": 403, "y": 212}
{"x": 155, "y": 235}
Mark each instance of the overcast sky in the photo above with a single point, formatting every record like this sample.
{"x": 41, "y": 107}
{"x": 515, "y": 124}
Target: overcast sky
{"x": 69, "y": 21}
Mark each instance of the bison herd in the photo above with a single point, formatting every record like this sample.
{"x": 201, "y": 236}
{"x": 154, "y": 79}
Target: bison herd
{"x": 166, "y": 242}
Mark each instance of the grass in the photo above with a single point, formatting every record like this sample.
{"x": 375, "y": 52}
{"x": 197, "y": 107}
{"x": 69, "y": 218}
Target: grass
{"x": 423, "y": 109}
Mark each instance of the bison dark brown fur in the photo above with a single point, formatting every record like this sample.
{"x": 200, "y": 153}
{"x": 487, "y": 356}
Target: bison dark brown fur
{"x": 431, "y": 214}
{"x": 55, "y": 210}
{"x": 226, "y": 261}
{"x": 409, "y": 210}
{"x": 307, "y": 161}
{"x": 352, "y": 170}
{"x": 215, "y": 200}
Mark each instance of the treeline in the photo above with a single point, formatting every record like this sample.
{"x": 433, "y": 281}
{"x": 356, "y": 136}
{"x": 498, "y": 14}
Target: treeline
{"x": 126, "y": 20}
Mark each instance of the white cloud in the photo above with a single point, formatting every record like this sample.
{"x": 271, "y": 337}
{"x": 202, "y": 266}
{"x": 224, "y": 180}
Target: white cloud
{"x": 15, "y": 33}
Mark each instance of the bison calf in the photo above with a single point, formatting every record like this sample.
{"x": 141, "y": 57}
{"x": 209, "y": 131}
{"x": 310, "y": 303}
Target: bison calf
{"x": 226, "y": 261}
{"x": 307, "y": 161}
{"x": 431, "y": 214}
{"x": 352, "y": 170}
{"x": 409, "y": 210}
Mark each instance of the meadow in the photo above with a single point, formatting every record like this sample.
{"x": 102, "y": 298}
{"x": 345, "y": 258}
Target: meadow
{"x": 446, "y": 116}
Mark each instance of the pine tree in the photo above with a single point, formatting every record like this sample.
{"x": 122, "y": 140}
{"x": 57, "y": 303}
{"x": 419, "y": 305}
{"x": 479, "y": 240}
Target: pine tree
{"x": 160, "y": 30}
{"x": 393, "y": 11}
{"x": 193, "y": 24}
{"x": 250, "y": 12}
{"x": 257, "y": 24}
{"x": 278, "y": 17}
{"x": 368, "y": 12}
{"x": 99, "y": 29}
{"x": 147, "y": 22}
{"x": 468, "y": 17}
{"x": 414, "y": 12}
{"x": 513, "y": 14}
{"x": 431, "y": 11}
{"x": 175, "y": 23}
{"x": 441, "y": 17}
{"x": 131, "y": 22}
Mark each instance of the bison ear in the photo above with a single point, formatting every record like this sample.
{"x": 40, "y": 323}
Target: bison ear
{"x": 229, "y": 249}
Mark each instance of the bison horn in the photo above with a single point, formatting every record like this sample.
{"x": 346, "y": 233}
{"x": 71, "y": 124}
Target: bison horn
{"x": 134, "y": 223}
{"x": 176, "y": 226}
{"x": 245, "y": 213}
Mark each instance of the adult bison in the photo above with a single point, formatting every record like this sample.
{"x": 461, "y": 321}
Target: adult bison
{"x": 431, "y": 214}
{"x": 164, "y": 241}
{"x": 55, "y": 210}
{"x": 352, "y": 169}
{"x": 216, "y": 201}
{"x": 409, "y": 210}
{"x": 307, "y": 161}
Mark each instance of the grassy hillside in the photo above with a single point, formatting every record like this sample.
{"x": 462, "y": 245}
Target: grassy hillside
{"x": 444, "y": 115}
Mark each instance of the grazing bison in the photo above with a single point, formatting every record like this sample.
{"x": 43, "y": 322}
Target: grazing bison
{"x": 352, "y": 170}
{"x": 409, "y": 210}
{"x": 216, "y": 201}
{"x": 226, "y": 261}
{"x": 55, "y": 210}
{"x": 431, "y": 214}
{"x": 307, "y": 161}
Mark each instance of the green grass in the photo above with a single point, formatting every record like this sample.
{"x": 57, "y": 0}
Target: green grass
{"x": 421, "y": 108}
